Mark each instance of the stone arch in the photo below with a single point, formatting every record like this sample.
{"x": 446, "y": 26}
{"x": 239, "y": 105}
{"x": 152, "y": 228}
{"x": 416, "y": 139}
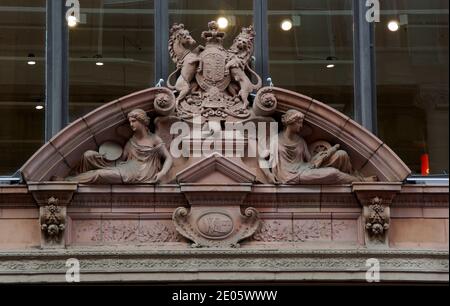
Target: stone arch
{"x": 61, "y": 153}
{"x": 368, "y": 153}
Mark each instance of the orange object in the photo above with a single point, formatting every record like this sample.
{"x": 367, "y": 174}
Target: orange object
{"x": 425, "y": 164}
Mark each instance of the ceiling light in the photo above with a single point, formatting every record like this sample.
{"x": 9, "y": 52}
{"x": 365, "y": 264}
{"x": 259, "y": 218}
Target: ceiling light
{"x": 331, "y": 59}
{"x": 222, "y": 22}
{"x": 99, "y": 61}
{"x": 39, "y": 107}
{"x": 393, "y": 26}
{"x": 31, "y": 59}
{"x": 72, "y": 21}
{"x": 286, "y": 25}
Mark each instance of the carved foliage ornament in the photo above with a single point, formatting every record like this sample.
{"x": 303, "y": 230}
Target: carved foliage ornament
{"x": 377, "y": 219}
{"x": 53, "y": 221}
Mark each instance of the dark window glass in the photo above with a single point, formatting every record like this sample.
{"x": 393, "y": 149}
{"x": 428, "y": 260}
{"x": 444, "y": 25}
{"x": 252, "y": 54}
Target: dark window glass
{"x": 22, "y": 81}
{"x": 412, "y": 81}
{"x": 311, "y": 49}
{"x": 111, "y": 52}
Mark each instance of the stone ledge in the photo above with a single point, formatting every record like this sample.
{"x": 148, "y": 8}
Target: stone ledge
{"x": 108, "y": 264}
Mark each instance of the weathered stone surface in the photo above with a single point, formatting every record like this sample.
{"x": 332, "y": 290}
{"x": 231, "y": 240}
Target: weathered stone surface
{"x": 19, "y": 233}
{"x": 114, "y": 265}
{"x": 419, "y": 233}
{"x": 288, "y": 232}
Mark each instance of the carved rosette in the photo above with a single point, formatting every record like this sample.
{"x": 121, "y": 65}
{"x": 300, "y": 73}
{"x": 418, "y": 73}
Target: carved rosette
{"x": 265, "y": 102}
{"x": 164, "y": 104}
{"x": 377, "y": 218}
{"x": 53, "y": 221}
{"x": 216, "y": 227}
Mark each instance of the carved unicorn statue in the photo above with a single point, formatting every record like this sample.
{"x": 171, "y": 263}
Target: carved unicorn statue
{"x": 187, "y": 60}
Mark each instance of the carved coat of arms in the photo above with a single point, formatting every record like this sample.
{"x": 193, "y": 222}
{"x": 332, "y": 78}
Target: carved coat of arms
{"x": 211, "y": 81}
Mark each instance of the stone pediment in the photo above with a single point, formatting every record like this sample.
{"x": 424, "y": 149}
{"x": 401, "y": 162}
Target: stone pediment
{"x": 58, "y": 156}
{"x": 215, "y": 170}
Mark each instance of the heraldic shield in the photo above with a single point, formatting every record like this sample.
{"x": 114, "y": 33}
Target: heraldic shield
{"x": 212, "y": 82}
{"x": 213, "y": 74}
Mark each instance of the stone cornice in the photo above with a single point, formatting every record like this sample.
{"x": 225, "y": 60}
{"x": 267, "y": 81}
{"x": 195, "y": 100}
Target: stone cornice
{"x": 18, "y": 196}
{"x": 277, "y": 265}
{"x": 142, "y": 251}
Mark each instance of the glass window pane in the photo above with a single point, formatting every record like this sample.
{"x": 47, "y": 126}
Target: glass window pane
{"x": 412, "y": 81}
{"x": 195, "y": 15}
{"x": 311, "y": 49}
{"x": 111, "y": 52}
{"x": 22, "y": 81}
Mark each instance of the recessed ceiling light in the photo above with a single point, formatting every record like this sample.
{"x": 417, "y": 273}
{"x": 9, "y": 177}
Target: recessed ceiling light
{"x": 331, "y": 64}
{"x": 72, "y": 21}
{"x": 222, "y": 22}
{"x": 286, "y": 25}
{"x": 39, "y": 107}
{"x": 393, "y": 26}
{"x": 99, "y": 61}
{"x": 31, "y": 59}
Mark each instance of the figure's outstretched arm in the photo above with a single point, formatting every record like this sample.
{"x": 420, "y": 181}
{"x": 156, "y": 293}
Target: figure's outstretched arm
{"x": 323, "y": 156}
{"x": 264, "y": 158}
{"x": 168, "y": 161}
{"x": 125, "y": 151}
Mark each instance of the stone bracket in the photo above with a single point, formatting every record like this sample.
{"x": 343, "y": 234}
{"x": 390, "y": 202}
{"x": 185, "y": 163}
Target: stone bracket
{"x": 52, "y": 199}
{"x": 376, "y": 198}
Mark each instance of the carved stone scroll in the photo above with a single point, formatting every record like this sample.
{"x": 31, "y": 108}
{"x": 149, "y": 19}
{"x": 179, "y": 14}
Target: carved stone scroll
{"x": 265, "y": 102}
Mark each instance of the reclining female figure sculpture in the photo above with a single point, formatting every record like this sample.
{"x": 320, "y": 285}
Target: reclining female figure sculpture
{"x": 294, "y": 164}
{"x": 145, "y": 158}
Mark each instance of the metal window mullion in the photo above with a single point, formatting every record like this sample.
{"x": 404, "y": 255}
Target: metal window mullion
{"x": 161, "y": 25}
{"x": 364, "y": 68}
{"x": 56, "y": 69}
{"x": 262, "y": 39}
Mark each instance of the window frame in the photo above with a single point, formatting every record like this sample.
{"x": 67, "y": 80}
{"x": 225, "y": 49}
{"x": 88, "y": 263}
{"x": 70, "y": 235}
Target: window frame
{"x": 57, "y": 60}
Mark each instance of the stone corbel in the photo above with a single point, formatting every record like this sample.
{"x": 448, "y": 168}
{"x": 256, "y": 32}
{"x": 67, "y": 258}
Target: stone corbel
{"x": 376, "y": 198}
{"x": 52, "y": 199}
